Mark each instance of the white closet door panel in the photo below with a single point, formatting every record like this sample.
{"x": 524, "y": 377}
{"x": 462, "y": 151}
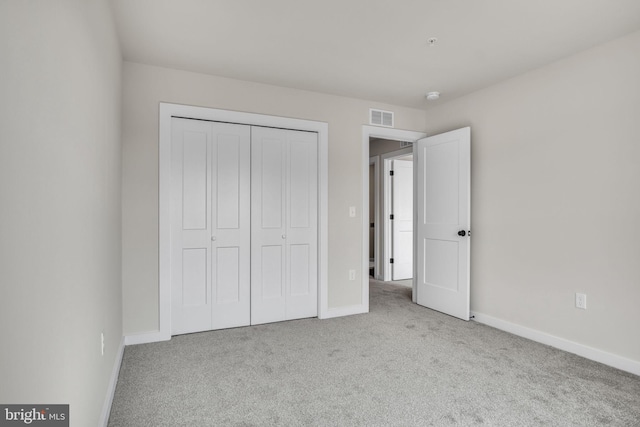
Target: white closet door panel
{"x": 231, "y": 234}
{"x": 302, "y": 225}
{"x": 190, "y": 264}
{"x": 210, "y": 222}
{"x": 284, "y": 225}
{"x": 268, "y": 232}
{"x": 244, "y": 225}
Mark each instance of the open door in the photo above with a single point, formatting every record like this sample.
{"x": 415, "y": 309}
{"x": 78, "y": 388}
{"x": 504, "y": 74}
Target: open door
{"x": 402, "y": 223}
{"x": 443, "y": 220}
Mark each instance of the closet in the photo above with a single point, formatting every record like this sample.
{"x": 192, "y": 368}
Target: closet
{"x": 244, "y": 225}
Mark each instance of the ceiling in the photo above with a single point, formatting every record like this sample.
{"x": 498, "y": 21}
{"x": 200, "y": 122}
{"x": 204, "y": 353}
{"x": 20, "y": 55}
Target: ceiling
{"x": 368, "y": 49}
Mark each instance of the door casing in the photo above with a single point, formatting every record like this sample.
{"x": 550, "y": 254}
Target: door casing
{"x": 377, "y": 253}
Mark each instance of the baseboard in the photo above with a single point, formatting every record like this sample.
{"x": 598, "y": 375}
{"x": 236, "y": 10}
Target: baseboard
{"x": 146, "y": 337}
{"x": 111, "y": 389}
{"x": 345, "y": 311}
{"x": 587, "y": 352}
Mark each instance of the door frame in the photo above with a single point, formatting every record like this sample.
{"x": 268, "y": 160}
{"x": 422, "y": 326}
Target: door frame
{"x": 384, "y": 133}
{"x": 166, "y": 112}
{"x": 387, "y": 158}
{"x": 375, "y": 162}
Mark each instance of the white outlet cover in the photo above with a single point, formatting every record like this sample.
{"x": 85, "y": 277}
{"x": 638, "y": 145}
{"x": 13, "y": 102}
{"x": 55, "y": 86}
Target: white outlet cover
{"x": 581, "y": 301}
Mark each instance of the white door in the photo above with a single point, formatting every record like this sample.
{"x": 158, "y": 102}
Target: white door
{"x": 210, "y": 226}
{"x": 443, "y": 220}
{"x": 284, "y": 190}
{"x": 402, "y": 223}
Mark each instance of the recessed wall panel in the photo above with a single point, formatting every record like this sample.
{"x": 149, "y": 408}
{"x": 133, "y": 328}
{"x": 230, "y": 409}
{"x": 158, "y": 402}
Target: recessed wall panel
{"x": 194, "y": 181}
{"x": 272, "y": 283}
{"x": 299, "y": 268}
{"x": 227, "y": 159}
{"x": 403, "y": 246}
{"x": 227, "y": 275}
{"x": 271, "y": 183}
{"x": 441, "y": 182}
{"x": 441, "y": 263}
{"x": 194, "y": 277}
{"x": 300, "y": 185}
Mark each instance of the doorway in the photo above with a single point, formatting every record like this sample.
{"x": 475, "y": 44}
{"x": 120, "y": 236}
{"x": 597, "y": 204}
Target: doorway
{"x": 393, "y": 140}
{"x": 442, "y": 193}
{"x": 391, "y": 210}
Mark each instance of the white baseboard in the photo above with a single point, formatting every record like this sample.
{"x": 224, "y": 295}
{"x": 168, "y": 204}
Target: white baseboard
{"x": 146, "y": 337}
{"x": 111, "y": 389}
{"x": 587, "y": 352}
{"x": 345, "y": 311}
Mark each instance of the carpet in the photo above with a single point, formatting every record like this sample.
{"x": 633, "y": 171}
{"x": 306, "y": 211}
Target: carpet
{"x": 399, "y": 365}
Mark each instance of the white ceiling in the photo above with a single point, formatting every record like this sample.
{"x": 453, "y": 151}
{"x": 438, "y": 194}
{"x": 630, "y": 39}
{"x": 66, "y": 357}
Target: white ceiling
{"x": 368, "y": 49}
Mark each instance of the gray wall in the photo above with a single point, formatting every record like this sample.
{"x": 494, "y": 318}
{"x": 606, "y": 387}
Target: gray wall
{"x": 145, "y": 86}
{"x": 60, "y": 192}
{"x": 555, "y": 178}
{"x": 379, "y": 146}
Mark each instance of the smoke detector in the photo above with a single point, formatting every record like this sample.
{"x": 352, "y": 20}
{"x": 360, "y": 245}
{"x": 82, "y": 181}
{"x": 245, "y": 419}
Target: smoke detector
{"x": 432, "y": 96}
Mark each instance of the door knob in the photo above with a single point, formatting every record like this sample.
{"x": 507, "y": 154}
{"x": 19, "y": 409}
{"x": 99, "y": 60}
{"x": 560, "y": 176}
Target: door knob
{"x": 284, "y": 236}
{"x": 462, "y": 233}
{"x": 213, "y": 238}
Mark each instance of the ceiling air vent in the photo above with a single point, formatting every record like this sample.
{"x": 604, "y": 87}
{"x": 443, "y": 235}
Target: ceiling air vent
{"x": 381, "y": 118}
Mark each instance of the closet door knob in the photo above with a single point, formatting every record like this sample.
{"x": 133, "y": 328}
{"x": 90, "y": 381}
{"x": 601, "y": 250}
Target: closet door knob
{"x": 213, "y": 238}
{"x": 284, "y": 236}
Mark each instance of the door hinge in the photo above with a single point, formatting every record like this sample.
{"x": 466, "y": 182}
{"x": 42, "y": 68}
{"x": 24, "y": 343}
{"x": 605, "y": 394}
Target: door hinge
{"x": 391, "y": 216}
{"x": 391, "y": 173}
{"x": 391, "y": 261}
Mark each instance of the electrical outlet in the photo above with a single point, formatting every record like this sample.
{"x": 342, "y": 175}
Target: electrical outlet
{"x": 102, "y": 342}
{"x": 352, "y": 211}
{"x": 581, "y": 301}
{"x": 352, "y": 275}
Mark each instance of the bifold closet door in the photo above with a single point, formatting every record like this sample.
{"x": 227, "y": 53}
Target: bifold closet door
{"x": 284, "y": 230}
{"x": 210, "y": 225}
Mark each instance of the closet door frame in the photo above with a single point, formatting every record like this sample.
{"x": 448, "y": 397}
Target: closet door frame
{"x": 167, "y": 111}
